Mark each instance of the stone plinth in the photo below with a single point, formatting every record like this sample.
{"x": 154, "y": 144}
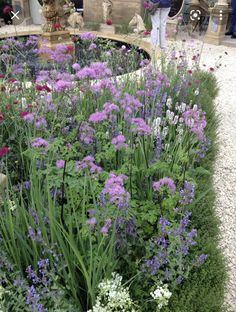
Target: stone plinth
{"x": 122, "y": 11}
{"x": 51, "y": 40}
{"x": 217, "y": 24}
{"x": 110, "y": 29}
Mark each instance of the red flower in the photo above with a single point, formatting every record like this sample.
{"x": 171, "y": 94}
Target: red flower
{"x": 70, "y": 49}
{"x": 146, "y": 33}
{"x": 109, "y": 22}
{"x": 211, "y": 69}
{"x": 57, "y": 26}
{"x": 4, "y": 151}
{"x": 43, "y": 88}
{"x": 12, "y": 80}
{"x": 23, "y": 114}
{"x": 7, "y": 9}
{"x": 1, "y": 117}
{"x": 73, "y": 38}
{"x": 146, "y": 5}
{"x": 2, "y": 76}
{"x": 190, "y": 71}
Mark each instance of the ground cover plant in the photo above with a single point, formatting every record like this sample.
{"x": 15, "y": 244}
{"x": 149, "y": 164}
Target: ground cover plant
{"x": 109, "y": 205}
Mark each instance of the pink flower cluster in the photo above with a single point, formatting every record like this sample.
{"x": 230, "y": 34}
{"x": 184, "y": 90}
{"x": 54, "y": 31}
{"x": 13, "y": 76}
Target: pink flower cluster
{"x": 88, "y": 163}
{"x": 96, "y": 70}
{"x": 130, "y": 105}
{"x": 168, "y": 182}
{"x": 115, "y": 192}
{"x": 119, "y": 142}
{"x": 196, "y": 121}
{"x": 140, "y": 126}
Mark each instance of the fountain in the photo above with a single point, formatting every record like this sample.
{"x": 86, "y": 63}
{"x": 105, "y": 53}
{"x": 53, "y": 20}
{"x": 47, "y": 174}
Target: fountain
{"x": 54, "y": 32}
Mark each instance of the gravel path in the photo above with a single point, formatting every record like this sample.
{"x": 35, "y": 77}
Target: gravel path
{"x": 225, "y": 167}
{"x": 225, "y": 170}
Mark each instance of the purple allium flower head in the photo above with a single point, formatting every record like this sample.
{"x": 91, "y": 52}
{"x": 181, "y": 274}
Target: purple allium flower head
{"x": 60, "y": 163}
{"x": 76, "y": 67}
{"x": 39, "y": 142}
{"x": 92, "y": 46}
{"x": 168, "y": 182}
{"x": 97, "y": 117}
{"x": 62, "y": 85}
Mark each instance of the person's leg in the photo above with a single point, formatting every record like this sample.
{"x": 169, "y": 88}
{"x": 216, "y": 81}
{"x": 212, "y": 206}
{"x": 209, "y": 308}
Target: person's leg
{"x": 155, "y": 33}
{"x": 163, "y": 17}
{"x": 233, "y": 21}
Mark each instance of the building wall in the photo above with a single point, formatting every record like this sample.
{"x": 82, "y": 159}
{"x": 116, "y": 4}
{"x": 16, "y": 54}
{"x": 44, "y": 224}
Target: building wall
{"x": 123, "y": 10}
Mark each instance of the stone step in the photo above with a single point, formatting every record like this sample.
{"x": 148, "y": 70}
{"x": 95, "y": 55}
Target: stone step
{"x": 229, "y": 42}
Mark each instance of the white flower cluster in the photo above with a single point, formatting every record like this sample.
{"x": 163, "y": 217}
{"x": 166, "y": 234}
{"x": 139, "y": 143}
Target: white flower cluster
{"x": 113, "y": 296}
{"x": 162, "y": 295}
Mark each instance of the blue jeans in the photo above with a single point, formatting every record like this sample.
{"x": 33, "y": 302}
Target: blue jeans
{"x": 233, "y": 19}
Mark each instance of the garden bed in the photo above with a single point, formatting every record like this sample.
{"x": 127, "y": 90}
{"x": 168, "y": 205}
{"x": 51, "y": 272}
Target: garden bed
{"x": 110, "y": 199}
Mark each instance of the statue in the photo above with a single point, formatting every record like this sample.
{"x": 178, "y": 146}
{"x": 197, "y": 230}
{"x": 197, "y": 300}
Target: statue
{"x": 51, "y": 14}
{"x": 76, "y": 19}
{"x": 138, "y": 23}
{"x": 107, "y": 10}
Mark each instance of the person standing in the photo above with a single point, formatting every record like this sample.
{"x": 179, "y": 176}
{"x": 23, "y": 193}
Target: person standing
{"x": 232, "y": 30}
{"x": 159, "y": 10}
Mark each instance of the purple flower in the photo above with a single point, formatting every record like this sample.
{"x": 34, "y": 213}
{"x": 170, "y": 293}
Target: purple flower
{"x": 92, "y": 221}
{"x": 106, "y": 227}
{"x": 88, "y": 163}
{"x": 86, "y": 133}
{"x": 41, "y": 123}
{"x": 76, "y": 67}
{"x": 60, "y": 164}
{"x": 88, "y": 36}
{"x": 187, "y": 194}
{"x": 62, "y": 85}
{"x": 92, "y": 46}
{"x": 140, "y": 127}
{"x": 196, "y": 121}
{"x": 96, "y": 70}
{"x": 39, "y": 142}
{"x": 35, "y": 235}
{"x": 114, "y": 191}
{"x": 29, "y": 117}
{"x": 168, "y": 182}
{"x": 119, "y": 142}
{"x": 97, "y": 117}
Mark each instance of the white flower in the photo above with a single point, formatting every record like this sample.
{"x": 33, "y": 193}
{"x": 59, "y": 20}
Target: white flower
{"x": 162, "y": 295}
{"x": 12, "y": 205}
{"x": 169, "y": 102}
{"x": 196, "y": 92}
{"x": 183, "y": 107}
{"x": 195, "y": 108}
{"x": 113, "y": 296}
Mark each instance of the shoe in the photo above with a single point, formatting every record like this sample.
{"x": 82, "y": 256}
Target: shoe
{"x": 229, "y": 33}
{"x": 233, "y": 36}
